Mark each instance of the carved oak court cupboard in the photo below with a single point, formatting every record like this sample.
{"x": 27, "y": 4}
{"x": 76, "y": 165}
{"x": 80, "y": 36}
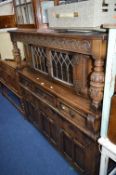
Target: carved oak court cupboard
{"x": 62, "y": 88}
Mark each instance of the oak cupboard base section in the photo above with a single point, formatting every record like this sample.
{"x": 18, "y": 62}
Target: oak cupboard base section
{"x": 70, "y": 135}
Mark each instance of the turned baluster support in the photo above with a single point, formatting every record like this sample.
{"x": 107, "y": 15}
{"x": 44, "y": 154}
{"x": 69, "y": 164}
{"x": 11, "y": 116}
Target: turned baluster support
{"x": 16, "y": 53}
{"x": 97, "y": 83}
{"x": 97, "y": 77}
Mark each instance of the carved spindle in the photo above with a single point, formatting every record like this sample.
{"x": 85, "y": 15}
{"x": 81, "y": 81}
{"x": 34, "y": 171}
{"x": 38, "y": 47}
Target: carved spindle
{"x": 76, "y": 81}
{"x": 97, "y": 83}
{"x": 16, "y": 54}
{"x": 49, "y": 63}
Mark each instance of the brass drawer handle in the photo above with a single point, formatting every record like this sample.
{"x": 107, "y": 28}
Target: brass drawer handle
{"x": 63, "y": 107}
{"x": 67, "y": 15}
{"x": 72, "y": 113}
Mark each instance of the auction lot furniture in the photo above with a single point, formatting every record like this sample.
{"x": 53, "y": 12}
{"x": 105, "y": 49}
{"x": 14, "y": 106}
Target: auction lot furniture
{"x": 62, "y": 88}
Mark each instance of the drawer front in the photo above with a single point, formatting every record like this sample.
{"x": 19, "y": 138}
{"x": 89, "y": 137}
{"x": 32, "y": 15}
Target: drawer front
{"x": 72, "y": 114}
{"x": 49, "y": 98}
{"x": 39, "y": 92}
{"x": 25, "y": 82}
{"x": 39, "y": 103}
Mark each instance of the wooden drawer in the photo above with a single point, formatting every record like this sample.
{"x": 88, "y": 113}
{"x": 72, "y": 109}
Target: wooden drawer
{"x": 72, "y": 114}
{"x": 27, "y": 83}
{"x": 39, "y": 103}
{"x": 49, "y": 98}
{"x": 39, "y": 92}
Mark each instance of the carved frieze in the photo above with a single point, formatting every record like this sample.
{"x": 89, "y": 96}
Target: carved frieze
{"x": 74, "y": 45}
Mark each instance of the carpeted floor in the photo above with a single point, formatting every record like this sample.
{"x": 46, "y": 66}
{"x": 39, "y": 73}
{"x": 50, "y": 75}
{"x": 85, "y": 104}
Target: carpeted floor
{"x": 23, "y": 150}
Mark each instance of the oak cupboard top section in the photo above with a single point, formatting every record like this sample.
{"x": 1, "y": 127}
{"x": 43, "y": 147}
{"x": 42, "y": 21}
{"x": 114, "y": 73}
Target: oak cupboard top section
{"x": 91, "y": 43}
{"x": 87, "y": 35}
{"x": 88, "y": 46}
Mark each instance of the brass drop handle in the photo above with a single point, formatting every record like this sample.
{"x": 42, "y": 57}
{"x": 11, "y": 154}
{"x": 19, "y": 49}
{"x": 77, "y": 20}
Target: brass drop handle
{"x": 67, "y": 15}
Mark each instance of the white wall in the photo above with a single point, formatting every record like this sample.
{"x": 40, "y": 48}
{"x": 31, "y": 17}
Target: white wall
{"x": 6, "y": 45}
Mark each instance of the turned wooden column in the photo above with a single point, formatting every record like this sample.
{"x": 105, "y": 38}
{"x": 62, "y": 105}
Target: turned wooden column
{"x": 16, "y": 53}
{"x": 97, "y": 77}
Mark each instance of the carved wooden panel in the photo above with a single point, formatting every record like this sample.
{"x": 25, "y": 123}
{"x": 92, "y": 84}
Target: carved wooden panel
{"x": 74, "y": 45}
{"x": 79, "y": 155}
{"x": 67, "y": 145}
{"x": 82, "y": 71}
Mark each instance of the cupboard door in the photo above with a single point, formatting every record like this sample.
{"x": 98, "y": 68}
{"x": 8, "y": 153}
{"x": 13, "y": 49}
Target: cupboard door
{"x": 50, "y": 129}
{"x": 29, "y": 110}
{"x": 66, "y": 145}
{"x": 79, "y": 156}
{"x": 54, "y": 134}
{"x": 45, "y": 125}
{"x": 32, "y": 114}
